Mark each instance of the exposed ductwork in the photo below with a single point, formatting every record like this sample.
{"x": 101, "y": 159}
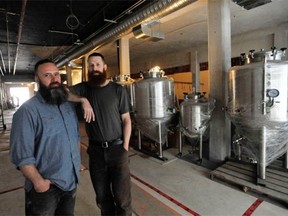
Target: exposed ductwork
{"x": 144, "y": 31}
{"x": 153, "y": 11}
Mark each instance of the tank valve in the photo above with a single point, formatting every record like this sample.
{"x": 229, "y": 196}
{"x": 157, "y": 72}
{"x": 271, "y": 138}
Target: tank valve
{"x": 243, "y": 58}
{"x": 251, "y": 54}
{"x": 283, "y": 51}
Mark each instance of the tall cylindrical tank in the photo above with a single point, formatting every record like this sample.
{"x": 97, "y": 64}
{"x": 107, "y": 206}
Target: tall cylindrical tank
{"x": 127, "y": 82}
{"x": 257, "y": 105}
{"x": 154, "y": 104}
{"x": 154, "y": 96}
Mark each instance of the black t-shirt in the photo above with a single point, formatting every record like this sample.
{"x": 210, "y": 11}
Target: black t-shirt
{"x": 109, "y": 103}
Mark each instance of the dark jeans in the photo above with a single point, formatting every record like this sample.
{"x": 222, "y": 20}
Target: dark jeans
{"x": 110, "y": 175}
{"x": 52, "y": 202}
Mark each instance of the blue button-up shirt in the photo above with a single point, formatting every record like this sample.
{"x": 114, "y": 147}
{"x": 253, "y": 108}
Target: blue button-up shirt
{"x": 47, "y": 136}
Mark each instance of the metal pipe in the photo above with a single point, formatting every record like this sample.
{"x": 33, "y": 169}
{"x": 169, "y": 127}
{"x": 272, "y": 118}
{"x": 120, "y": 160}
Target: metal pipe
{"x": 3, "y": 63}
{"x": 8, "y": 45}
{"x": 160, "y": 140}
{"x": 139, "y": 140}
{"x": 262, "y": 155}
{"x": 22, "y": 15}
{"x": 156, "y": 10}
{"x": 63, "y": 32}
{"x": 286, "y": 160}
{"x": 201, "y": 145}
{"x": 180, "y": 143}
{"x": 1, "y": 71}
{"x": 195, "y": 73}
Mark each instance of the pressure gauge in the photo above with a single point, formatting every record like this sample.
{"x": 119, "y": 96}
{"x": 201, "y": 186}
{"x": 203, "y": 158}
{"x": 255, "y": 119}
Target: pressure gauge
{"x": 272, "y": 93}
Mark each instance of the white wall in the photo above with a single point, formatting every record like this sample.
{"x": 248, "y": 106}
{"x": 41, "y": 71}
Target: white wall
{"x": 257, "y": 40}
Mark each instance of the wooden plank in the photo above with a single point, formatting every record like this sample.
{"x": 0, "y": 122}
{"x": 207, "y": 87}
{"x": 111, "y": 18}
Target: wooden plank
{"x": 278, "y": 188}
{"x": 242, "y": 171}
{"x": 277, "y": 180}
{"x": 246, "y": 175}
{"x": 252, "y": 186}
{"x": 276, "y": 163}
{"x": 272, "y": 193}
{"x": 242, "y": 165}
{"x": 278, "y": 172}
{"x": 230, "y": 178}
{"x": 235, "y": 174}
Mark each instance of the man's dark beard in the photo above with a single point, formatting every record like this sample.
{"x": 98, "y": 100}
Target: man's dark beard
{"x": 97, "y": 80}
{"x": 53, "y": 95}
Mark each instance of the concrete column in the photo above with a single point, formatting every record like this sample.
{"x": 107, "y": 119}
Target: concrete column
{"x": 281, "y": 37}
{"x": 219, "y": 60}
{"x": 124, "y": 56}
{"x": 84, "y": 68}
{"x": 68, "y": 75}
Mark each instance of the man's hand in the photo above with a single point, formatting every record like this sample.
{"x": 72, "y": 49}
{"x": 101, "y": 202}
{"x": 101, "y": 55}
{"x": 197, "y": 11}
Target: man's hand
{"x": 42, "y": 186}
{"x": 86, "y": 106}
{"x": 88, "y": 110}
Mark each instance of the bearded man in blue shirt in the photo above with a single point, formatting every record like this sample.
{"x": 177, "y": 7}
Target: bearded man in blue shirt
{"x": 45, "y": 145}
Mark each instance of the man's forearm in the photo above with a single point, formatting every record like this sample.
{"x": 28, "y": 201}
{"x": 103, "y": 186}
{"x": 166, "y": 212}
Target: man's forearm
{"x": 74, "y": 98}
{"x": 86, "y": 106}
{"x": 30, "y": 172}
{"x": 127, "y": 128}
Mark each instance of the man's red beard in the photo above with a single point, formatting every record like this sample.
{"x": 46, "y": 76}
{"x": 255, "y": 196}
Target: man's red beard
{"x": 97, "y": 78}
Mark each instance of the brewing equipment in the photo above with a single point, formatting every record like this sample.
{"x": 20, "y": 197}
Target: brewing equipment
{"x": 127, "y": 82}
{"x": 154, "y": 104}
{"x": 257, "y": 106}
{"x": 195, "y": 114}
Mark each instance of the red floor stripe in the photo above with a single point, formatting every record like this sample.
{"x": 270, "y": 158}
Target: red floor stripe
{"x": 7, "y": 191}
{"x": 166, "y": 196}
{"x": 253, "y": 207}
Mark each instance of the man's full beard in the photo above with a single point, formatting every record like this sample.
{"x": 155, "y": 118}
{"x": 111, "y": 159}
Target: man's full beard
{"x": 96, "y": 78}
{"x": 53, "y": 94}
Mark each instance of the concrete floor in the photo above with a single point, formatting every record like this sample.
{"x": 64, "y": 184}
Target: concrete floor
{"x": 172, "y": 187}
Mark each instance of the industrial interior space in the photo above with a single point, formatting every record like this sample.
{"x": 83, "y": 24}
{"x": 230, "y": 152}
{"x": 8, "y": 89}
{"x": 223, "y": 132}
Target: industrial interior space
{"x": 208, "y": 87}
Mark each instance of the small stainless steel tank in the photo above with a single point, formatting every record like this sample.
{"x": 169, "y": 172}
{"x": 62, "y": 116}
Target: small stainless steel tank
{"x": 195, "y": 114}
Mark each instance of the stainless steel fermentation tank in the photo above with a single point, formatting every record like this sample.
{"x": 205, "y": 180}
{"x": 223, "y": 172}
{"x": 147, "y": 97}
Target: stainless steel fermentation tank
{"x": 154, "y": 104}
{"x": 257, "y": 105}
{"x": 127, "y": 82}
{"x": 195, "y": 114}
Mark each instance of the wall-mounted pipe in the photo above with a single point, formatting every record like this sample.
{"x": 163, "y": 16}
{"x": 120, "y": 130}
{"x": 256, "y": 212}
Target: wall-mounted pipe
{"x": 22, "y": 15}
{"x": 152, "y": 11}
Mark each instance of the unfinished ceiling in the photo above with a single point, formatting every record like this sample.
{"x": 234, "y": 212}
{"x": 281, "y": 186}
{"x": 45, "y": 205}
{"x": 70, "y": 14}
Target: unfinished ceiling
{"x": 40, "y": 29}
{"x": 33, "y": 29}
